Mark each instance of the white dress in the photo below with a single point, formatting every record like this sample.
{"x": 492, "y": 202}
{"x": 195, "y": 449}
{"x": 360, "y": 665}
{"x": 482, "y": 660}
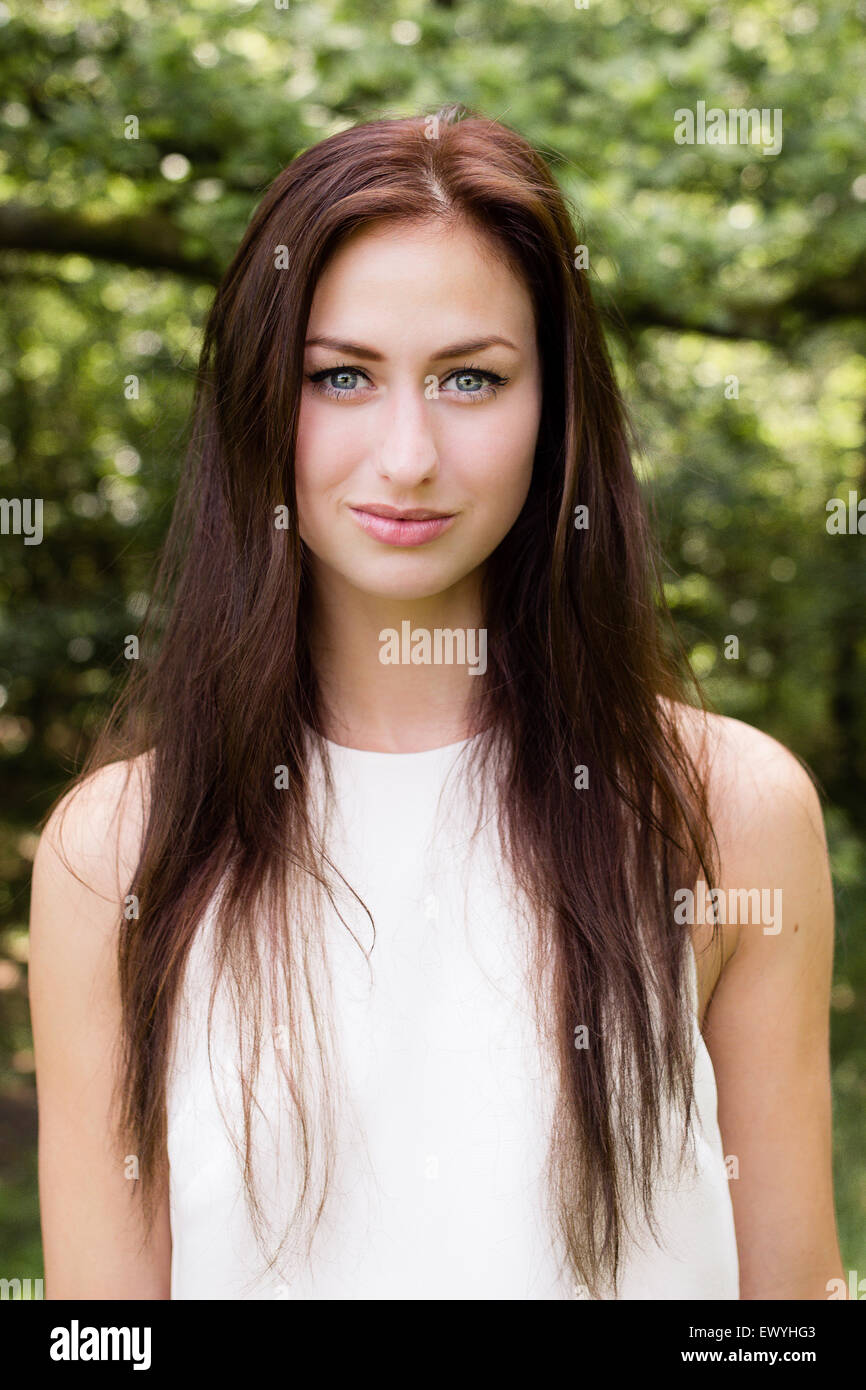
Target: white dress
{"x": 446, "y": 1096}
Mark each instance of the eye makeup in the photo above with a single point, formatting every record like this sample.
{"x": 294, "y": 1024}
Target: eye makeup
{"x": 320, "y": 381}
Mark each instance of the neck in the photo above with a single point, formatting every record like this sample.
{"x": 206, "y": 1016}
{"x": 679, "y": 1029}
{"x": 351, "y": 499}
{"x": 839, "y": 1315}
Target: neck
{"x": 390, "y": 676}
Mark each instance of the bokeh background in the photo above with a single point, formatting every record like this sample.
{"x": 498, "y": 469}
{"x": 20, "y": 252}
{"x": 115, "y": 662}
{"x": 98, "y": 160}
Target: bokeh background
{"x": 712, "y": 262}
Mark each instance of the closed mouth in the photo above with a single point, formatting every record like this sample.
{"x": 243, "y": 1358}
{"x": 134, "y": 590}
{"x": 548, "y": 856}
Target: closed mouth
{"x": 407, "y": 514}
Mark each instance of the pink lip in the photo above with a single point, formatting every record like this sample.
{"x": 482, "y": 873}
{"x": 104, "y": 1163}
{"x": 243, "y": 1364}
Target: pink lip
{"x": 414, "y": 526}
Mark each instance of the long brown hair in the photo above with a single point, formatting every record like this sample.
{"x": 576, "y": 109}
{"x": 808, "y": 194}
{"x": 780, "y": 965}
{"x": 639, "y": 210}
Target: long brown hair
{"x": 583, "y": 670}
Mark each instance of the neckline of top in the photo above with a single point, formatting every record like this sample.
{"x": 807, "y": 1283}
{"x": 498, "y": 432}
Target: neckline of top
{"x": 344, "y": 750}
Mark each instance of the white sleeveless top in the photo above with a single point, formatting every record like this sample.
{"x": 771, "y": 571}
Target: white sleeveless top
{"x": 446, "y": 1092}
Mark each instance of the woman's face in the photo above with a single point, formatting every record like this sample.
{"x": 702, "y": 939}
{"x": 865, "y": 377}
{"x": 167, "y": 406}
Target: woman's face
{"x": 407, "y": 408}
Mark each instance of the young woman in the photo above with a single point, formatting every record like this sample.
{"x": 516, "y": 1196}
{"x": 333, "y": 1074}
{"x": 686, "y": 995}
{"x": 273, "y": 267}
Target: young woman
{"x": 375, "y": 957}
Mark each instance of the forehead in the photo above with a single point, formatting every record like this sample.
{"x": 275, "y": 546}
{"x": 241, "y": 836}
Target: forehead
{"x": 399, "y": 277}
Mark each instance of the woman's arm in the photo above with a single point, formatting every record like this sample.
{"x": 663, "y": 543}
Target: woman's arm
{"x": 91, "y": 1226}
{"x": 767, "y": 1026}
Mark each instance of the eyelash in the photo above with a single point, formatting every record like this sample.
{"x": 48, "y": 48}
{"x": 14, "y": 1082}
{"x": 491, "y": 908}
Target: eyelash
{"x": 493, "y": 379}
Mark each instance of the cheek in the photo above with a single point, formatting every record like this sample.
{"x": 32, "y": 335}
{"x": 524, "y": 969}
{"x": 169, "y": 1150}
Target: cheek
{"x": 325, "y": 453}
{"x": 502, "y": 491}
{"x": 504, "y": 458}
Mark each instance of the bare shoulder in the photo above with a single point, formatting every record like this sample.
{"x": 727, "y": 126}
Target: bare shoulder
{"x": 737, "y": 756}
{"x": 94, "y": 833}
{"x": 762, "y": 799}
{"x": 84, "y": 862}
{"x": 769, "y": 828}
{"x": 85, "y": 859}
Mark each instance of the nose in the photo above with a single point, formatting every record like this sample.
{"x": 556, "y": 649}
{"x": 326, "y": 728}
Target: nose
{"x": 406, "y": 449}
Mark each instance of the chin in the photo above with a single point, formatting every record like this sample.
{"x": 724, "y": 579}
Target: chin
{"x": 405, "y": 586}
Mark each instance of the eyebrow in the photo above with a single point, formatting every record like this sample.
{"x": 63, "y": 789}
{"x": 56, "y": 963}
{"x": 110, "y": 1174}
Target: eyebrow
{"x": 452, "y": 350}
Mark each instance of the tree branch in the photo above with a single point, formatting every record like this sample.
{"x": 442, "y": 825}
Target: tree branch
{"x": 152, "y": 241}
{"x": 148, "y": 241}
